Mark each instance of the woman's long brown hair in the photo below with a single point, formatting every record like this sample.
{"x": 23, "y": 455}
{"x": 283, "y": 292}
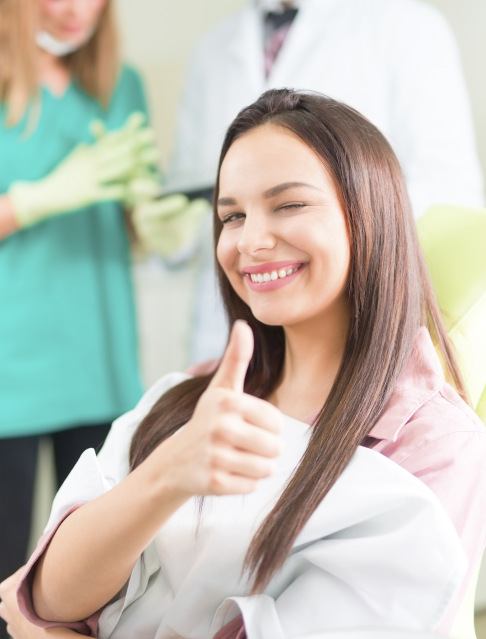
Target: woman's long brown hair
{"x": 389, "y": 297}
{"x": 95, "y": 66}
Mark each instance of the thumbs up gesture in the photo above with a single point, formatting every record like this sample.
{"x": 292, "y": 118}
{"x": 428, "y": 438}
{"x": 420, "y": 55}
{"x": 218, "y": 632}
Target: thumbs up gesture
{"x": 232, "y": 439}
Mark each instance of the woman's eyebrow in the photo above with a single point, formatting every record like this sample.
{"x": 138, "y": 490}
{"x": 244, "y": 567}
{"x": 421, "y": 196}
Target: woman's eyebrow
{"x": 272, "y": 192}
{"x": 275, "y": 190}
{"x": 226, "y": 201}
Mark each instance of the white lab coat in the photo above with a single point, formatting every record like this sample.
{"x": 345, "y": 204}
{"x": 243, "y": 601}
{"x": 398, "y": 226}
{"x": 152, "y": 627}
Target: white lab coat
{"x": 379, "y": 552}
{"x": 396, "y": 61}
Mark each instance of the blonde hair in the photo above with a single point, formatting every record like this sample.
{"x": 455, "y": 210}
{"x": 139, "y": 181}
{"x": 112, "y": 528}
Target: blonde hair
{"x": 94, "y": 67}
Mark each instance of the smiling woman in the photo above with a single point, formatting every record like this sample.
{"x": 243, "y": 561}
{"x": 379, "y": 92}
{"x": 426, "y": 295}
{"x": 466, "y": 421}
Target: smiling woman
{"x": 283, "y": 224}
{"x": 371, "y": 514}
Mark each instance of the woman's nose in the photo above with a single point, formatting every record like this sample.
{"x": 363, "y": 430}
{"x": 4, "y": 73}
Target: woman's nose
{"x": 255, "y": 235}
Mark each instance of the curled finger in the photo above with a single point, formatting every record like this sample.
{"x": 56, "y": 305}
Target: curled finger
{"x": 239, "y": 462}
{"x": 258, "y": 412}
{"x": 223, "y": 483}
{"x": 250, "y": 438}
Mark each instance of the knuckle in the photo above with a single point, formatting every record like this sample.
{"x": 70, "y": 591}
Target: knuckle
{"x": 216, "y": 430}
{"x": 216, "y": 459}
{"x": 222, "y": 427}
{"x": 216, "y": 482}
{"x": 224, "y": 400}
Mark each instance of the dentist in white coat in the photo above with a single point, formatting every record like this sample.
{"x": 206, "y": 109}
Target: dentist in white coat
{"x": 395, "y": 61}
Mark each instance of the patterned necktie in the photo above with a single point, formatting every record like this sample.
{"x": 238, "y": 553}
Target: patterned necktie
{"x": 277, "y": 26}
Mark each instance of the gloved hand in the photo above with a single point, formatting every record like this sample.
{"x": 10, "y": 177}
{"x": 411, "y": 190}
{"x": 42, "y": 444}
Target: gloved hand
{"x": 144, "y": 183}
{"x": 171, "y": 225}
{"x": 143, "y": 186}
{"x": 90, "y": 173}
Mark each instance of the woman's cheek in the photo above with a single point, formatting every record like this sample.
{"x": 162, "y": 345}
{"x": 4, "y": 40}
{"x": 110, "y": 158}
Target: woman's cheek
{"x": 220, "y": 253}
{"x": 226, "y": 253}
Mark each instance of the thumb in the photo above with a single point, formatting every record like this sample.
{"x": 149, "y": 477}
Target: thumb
{"x": 234, "y": 364}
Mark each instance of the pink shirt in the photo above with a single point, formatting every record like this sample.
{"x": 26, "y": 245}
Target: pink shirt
{"x": 430, "y": 431}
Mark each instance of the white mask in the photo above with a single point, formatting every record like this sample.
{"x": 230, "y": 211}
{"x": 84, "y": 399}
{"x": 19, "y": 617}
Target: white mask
{"x": 59, "y": 48}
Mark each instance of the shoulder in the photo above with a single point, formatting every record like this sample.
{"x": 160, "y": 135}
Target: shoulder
{"x": 406, "y": 24}
{"x": 444, "y": 428}
{"x": 129, "y": 76}
{"x": 129, "y": 79}
{"x": 129, "y": 421}
{"x": 115, "y": 450}
{"x": 447, "y": 413}
{"x": 128, "y": 95}
{"x": 404, "y": 9}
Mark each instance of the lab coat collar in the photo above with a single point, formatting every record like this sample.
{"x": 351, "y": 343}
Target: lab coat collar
{"x": 419, "y": 381}
{"x": 313, "y": 23}
{"x": 246, "y": 38}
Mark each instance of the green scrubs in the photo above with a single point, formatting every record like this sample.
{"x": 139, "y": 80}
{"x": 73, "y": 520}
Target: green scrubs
{"x": 68, "y": 342}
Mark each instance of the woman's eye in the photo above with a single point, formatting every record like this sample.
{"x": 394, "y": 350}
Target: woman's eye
{"x": 232, "y": 217}
{"x": 290, "y": 206}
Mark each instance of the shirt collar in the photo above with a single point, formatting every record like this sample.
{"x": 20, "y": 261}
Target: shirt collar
{"x": 420, "y": 380}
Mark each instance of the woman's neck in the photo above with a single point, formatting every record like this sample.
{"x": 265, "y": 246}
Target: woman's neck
{"x": 53, "y": 73}
{"x": 313, "y": 355}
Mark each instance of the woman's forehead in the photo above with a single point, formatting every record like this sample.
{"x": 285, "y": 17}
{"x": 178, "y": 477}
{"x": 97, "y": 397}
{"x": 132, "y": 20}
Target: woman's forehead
{"x": 268, "y": 155}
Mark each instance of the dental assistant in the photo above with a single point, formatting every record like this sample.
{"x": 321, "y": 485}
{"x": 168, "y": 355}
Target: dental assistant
{"x": 68, "y": 343}
{"x": 396, "y": 61}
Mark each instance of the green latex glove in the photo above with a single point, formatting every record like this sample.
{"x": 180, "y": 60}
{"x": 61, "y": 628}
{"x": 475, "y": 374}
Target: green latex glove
{"x": 143, "y": 186}
{"x": 454, "y": 243}
{"x": 171, "y": 225}
{"x": 90, "y": 173}
{"x": 144, "y": 183}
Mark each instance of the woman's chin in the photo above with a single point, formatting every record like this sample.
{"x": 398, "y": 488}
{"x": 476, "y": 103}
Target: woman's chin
{"x": 269, "y": 317}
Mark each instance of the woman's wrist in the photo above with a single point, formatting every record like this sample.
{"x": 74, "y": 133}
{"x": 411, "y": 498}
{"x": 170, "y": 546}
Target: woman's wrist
{"x": 160, "y": 476}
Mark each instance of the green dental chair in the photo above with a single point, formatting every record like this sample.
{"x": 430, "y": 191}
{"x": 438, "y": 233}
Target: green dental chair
{"x": 454, "y": 243}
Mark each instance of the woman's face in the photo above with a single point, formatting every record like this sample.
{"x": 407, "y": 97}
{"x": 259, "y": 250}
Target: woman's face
{"x": 284, "y": 245}
{"x": 70, "y": 21}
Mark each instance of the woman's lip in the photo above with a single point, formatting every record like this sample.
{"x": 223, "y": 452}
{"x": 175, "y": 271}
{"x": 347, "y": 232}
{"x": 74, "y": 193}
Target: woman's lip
{"x": 72, "y": 30}
{"x": 268, "y": 267}
{"x": 272, "y": 285}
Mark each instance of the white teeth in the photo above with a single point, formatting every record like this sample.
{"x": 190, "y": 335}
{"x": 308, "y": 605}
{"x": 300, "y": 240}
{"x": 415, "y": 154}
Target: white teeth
{"x": 259, "y": 278}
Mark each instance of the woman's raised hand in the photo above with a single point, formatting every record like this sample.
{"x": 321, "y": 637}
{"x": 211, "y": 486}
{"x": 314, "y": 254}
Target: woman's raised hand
{"x": 232, "y": 439}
